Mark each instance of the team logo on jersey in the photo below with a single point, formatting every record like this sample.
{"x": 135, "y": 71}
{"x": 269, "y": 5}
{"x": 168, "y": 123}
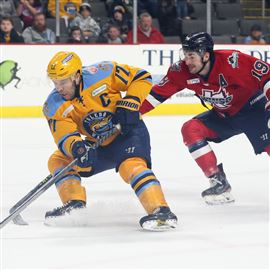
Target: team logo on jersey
{"x": 46, "y": 108}
{"x": 104, "y": 66}
{"x": 220, "y": 99}
{"x": 92, "y": 69}
{"x": 176, "y": 66}
{"x": 98, "y": 124}
{"x": 233, "y": 60}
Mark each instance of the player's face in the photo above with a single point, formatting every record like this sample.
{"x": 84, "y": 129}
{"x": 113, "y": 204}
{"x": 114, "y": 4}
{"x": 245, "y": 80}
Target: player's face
{"x": 193, "y": 61}
{"x": 66, "y": 88}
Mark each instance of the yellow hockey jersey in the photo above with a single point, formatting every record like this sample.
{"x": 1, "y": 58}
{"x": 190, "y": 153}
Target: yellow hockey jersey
{"x": 91, "y": 114}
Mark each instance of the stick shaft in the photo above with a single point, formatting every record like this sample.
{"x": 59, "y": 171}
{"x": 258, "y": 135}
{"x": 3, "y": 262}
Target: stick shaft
{"x": 48, "y": 182}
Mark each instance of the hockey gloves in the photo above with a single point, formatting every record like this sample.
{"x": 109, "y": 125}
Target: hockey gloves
{"x": 127, "y": 114}
{"x": 85, "y": 154}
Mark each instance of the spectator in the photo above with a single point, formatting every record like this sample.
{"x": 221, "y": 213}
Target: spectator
{"x": 167, "y": 17}
{"x": 182, "y": 9}
{"x": 75, "y": 35}
{"x": 38, "y": 33}
{"x": 27, "y": 9}
{"x": 88, "y": 25}
{"x": 126, "y": 4}
{"x": 120, "y": 20}
{"x": 7, "y": 8}
{"x": 255, "y": 36}
{"x": 7, "y": 32}
{"x": 146, "y": 33}
{"x": 113, "y": 36}
{"x": 68, "y": 8}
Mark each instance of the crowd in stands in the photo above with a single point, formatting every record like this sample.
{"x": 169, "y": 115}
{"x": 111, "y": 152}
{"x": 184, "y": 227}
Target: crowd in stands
{"x": 83, "y": 26}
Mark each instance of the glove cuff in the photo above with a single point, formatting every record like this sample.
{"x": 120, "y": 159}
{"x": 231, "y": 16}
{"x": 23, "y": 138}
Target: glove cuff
{"x": 78, "y": 149}
{"x": 129, "y": 103}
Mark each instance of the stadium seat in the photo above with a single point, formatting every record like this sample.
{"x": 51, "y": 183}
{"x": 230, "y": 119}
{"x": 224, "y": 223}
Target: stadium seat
{"x": 224, "y": 39}
{"x": 200, "y": 11}
{"x": 172, "y": 39}
{"x": 18, "y": 25}
{"x": 228, "y": 11}
{"x": 225, "y": 27}
{"x": 189, "y": 26}
{"x": 98, "y": 9}
{"x": 245, "y": 26}
{"x": 155, "y": 23}
{"x": 51, "y": 24}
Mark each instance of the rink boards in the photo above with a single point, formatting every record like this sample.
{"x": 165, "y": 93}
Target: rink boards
{"x": 29, "y": 63}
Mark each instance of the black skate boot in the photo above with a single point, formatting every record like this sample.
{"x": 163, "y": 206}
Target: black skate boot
{"x": 65, "y": 209}
{"x": 219, "y": 191}
{"x": 162, "y": 219}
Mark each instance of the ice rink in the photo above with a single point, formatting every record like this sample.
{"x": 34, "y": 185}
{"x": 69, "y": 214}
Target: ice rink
{"x": 108, "y": 234}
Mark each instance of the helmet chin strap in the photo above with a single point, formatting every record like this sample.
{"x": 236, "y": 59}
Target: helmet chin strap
{"x": 203, "y": 66}
{"x": 77, "y": 88}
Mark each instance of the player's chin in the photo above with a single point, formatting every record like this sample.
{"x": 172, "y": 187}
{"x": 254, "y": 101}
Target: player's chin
{"x": 67, "y": 97}
{"x": 192, "y": 70}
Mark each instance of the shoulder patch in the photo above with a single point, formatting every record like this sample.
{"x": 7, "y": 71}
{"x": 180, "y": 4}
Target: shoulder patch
{"x": 233, "y": 59}
{"x": 53, "y": 102}
{"x": 95, "y": 73}
{"x": 176, "y": 66}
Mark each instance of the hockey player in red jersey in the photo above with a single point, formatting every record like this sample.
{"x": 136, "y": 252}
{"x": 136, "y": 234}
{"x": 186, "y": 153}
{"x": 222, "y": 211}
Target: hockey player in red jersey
{"x": 237, "y": 86}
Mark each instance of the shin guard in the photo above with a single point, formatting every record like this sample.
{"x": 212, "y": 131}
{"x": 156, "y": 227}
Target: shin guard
{"x": 195, "y": 135}
{"x": 135, "y": 172}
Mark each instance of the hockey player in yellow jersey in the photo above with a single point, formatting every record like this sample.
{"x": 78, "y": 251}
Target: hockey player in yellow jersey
{"x": 88, "y": 102}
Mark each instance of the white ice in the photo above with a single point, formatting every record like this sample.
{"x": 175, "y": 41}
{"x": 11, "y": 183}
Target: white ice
{"x": 208, "y": 237}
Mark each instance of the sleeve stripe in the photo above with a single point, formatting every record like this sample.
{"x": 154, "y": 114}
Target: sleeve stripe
{"x": 154, "y": 102}
{"x": 132, "y": 97}
{"x": 62, "y": 141}
{"x": 121, "y": 78}
{"x": 139, "y": 75}
{"x": 123, "y": 69}
{"x": 266, "y": 88}
{"x": 157, "y": 96}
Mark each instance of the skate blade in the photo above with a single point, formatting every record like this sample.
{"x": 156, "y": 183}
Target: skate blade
{"x": 223, "y": 198}
{"x": 77, "y": 218}
{"x": 18, "y": 220}
{"x": 159, "y": 225}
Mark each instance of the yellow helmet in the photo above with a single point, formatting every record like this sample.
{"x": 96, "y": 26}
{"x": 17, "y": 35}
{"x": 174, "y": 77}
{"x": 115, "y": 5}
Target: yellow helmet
{"x": 63, "y": 65}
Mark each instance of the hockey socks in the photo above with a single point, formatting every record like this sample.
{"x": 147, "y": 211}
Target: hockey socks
{"x": 195, "y": 135}
{"x": 204, "y": 156}
{"x": 148, "y": 190}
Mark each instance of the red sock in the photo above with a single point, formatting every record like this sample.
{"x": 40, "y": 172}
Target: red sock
{"x": 195, "y": 135}
{"x": 267, "y": 149}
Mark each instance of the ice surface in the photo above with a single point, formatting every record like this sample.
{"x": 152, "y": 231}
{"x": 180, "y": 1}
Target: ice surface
{"x": 109, "y": 236}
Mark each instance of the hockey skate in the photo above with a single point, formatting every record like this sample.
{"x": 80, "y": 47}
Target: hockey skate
{"x": 58, "y": 213}
{"x": 162, "y": 219}
{"x": 219, "y": 191}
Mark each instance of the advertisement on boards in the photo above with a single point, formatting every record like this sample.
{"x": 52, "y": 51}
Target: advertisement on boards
{"x": 24, "y": 83}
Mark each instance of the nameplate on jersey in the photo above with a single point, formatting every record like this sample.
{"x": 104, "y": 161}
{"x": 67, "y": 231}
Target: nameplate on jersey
{"x": 98, "y": 90}
{"x": 193, "y": 81}
{"x": 67, "y": 111}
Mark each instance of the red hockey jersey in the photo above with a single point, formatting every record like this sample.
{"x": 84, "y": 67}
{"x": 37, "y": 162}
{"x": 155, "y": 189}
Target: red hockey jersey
{"x": 234, "y": 78}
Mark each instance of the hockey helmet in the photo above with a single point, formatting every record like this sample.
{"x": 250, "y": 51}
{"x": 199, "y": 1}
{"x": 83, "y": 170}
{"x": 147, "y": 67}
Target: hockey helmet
{"x": 63, "y": 65}
{"x": 200, "y": 42}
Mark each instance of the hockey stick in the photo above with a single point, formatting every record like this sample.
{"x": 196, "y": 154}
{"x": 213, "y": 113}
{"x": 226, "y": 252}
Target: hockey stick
{"x": 44, "y": 185}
